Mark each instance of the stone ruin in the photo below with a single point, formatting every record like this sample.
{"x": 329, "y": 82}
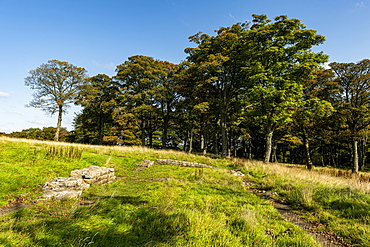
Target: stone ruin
{"x": 149, "y": 163}
{"x": 72, "y": 187}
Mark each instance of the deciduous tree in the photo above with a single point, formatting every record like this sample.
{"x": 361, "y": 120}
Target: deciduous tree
{"x": 98, "y": 99}
{"x": 354, "y": 80}
{"x": 57, "y": 85}
{"x": 281, "y": 59}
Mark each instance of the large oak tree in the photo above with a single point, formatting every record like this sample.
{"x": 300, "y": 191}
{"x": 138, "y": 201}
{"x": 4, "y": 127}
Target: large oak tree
{"x": 57, "y": 85}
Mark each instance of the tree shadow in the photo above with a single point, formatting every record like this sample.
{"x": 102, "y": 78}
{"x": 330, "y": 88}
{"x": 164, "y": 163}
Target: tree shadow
{"x": 351, "y": 209}
{"x": 106, "y": 223}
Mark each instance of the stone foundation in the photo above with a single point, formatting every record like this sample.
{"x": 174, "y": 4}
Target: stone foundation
{"x": 72, "y": 187}
{"x": 182, "y": 163}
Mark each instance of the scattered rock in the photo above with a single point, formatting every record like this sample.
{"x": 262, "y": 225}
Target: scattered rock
{"x": 146, "y": 163}
{"x": 237, "y": 173}
{"x": 163, "y": 179}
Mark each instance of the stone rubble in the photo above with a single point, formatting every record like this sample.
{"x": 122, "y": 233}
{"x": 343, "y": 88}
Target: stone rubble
{"x": 182, "y": 163}
{"x": 96, "y": 175}
{"x": 71, "y": 187}
{"x": 146, "y": 163}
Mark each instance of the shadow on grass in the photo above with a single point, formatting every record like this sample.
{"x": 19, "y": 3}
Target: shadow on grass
{"x": 351, "y": 209}
{"x": 121, "y": 221}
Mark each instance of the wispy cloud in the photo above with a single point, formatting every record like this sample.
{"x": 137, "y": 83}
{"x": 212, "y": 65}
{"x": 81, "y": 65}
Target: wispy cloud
{"x": 14, "y": 113}
{"x": 360, "y": 5}
{"x": 40, "y": 122}
{"x": 232, "y": 17}
{"x": 4, "y": 95}
{"x": 104, "y": 66}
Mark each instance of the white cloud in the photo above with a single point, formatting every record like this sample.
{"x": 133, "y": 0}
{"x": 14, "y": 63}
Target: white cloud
{"x": 40, "y": 122}
{"x": 4, "y": 95}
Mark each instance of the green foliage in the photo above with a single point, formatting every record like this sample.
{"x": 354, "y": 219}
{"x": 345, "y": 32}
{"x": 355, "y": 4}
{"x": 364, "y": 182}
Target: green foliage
{"x": 47, "y": 133}
{"x": 146, "y": 100}
{"x": 354, "y": 82}
{"x": 98, "y": 99}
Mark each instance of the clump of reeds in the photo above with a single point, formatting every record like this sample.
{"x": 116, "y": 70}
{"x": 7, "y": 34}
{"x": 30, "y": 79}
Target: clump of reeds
{"x": 69, "y": 153}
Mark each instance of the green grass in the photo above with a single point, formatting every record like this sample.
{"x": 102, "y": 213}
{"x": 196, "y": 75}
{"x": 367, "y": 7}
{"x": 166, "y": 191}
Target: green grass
{"x": 339, "y": 205}
{"x": 194, "y": 207}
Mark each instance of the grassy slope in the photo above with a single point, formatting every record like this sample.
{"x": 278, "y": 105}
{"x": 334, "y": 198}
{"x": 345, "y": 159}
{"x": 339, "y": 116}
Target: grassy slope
{"x": 196, "y": 207}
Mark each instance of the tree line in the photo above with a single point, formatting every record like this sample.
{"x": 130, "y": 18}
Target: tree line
{"x": 255, "y": 90}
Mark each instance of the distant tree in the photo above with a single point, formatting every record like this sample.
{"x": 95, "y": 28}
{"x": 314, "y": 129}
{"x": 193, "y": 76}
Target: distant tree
{"x": 215, "y": 72}
{"x": 166, "y": 96}
{"x": 97, "y": 97}
{"x": 354, "y": 81}
{"x": 146, "y": 98}
{"x": 57, "y": 85}
{"x": 318, "y": 91}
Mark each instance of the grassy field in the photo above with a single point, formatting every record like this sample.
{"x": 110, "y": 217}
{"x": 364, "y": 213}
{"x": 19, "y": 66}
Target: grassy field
{"x": 191, "y": 207}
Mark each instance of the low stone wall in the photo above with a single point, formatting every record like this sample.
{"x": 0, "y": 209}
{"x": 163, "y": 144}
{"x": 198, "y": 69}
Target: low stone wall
{"x": 182, "y": 163}
{"x": 149, "y": 163}
{"x": 95, "y": 175}
{"x": 72, "y": 187}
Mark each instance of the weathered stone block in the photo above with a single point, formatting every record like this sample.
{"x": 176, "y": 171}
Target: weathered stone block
{"x": 72, "y": 187}
{"x": 62, "y": 194}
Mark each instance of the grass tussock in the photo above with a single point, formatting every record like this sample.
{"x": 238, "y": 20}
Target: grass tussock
{"x": 68, "y": 153}
{"x": 169, "y": 205}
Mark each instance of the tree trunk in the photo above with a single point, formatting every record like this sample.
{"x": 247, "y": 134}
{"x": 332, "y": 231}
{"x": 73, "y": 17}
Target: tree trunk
{"x": 269, "y": 134}
{"x": 150, "y": 130}
{"x": 206, "y": 136}
{"x": 307, "y": 149}
{"x": 216, "y": 139}
{"x": 142, "y": 127}
{"x": 274, "y": 155}
{"x": 166, "y": 120}
{"x": 191, "y": 141}
{"x": 355, "y": 156}
{"x": 202, "y": 143}
{"x": 185, "y": 142}
{"x": 362, "y": 153}
{"x": 59, "y": 124}
{"x": 101, "y": 129}
{"x": 224, "y": 133}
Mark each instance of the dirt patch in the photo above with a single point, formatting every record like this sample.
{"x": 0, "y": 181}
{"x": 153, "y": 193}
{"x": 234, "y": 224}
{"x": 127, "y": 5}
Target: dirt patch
{"x": 326, "y": 239}
{"x": 10, "y": 208}
{"x": 13, "y": 207}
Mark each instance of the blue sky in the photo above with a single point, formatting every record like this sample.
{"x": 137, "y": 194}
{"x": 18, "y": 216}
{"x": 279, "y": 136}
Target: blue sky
{"x": 98, "y": 35}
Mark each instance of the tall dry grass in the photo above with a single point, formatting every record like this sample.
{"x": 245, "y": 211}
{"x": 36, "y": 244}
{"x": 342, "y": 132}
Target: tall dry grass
{"x": 324, "y": 176}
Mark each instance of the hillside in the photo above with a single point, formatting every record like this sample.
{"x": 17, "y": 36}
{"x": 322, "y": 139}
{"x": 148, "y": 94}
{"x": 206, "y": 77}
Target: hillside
{"x": 166, "y": 205}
